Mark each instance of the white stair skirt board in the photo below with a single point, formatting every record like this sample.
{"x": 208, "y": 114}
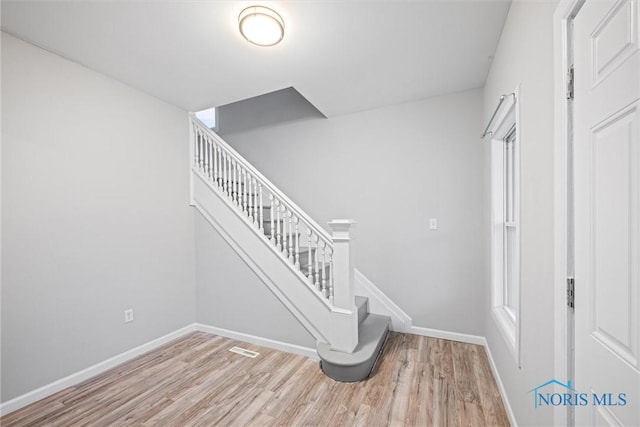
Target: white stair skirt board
{"x": 379, "y": 303}
{"x": 101, "y": 367}
{"x": 83, "y": 375}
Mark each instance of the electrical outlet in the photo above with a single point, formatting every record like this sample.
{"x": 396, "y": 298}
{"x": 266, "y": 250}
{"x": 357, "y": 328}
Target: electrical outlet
{"x": 433, "y": 223}
{"x": 128, "y": 315}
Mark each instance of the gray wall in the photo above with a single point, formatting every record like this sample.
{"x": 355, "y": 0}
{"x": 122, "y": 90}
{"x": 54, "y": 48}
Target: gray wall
{"x": 95, "y": 218}
{"x": 525, "y": 56}
{"x": 229, "y": 295}
{"x": 391, "y": 169}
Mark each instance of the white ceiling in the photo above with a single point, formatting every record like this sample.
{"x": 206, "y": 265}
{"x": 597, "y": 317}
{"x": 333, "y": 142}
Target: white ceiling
{"x": 343, "y": 56}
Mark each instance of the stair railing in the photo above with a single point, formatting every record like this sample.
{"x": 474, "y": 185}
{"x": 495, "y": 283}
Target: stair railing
{"x": 296, "y": 237}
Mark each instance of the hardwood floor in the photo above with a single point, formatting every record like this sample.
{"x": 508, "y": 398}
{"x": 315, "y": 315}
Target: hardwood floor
{"x": 196, "y": 381}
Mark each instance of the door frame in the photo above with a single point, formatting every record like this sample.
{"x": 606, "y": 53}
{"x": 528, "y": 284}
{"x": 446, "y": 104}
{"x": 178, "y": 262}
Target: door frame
{"x": 564, "y": 340}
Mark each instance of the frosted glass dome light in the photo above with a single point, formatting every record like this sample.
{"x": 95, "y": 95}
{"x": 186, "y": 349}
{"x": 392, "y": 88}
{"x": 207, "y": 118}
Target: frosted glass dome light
{"x": 261, "y": 26}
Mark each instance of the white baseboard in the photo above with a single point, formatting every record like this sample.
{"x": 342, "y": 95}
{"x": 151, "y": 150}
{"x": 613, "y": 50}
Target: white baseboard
{"x": 265, "y": 342}
{"x": 99, "y": 368}
{"x": 472, "y": 339}
{"x": 85, "y": 374}
{"x": 80, "y": 376}
{"x": 380, "y": 303}
{"x": 503, "y": 391}
{"x": 446, "y": 335}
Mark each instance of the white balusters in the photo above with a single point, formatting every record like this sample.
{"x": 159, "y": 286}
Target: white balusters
{"x": 325, "y": 293}
{"x": 261, "y": 211}
{"x": 210, "y": 158}
{"x": 271, "y": 215}
{"x": 220, "y": 168}
{"x": 224, "y": 172}
{"x": 203, "y": 153}
{"x": 327, "y": 255}
{"x": 234, "y": 184}
{"x": 243, "y": 188}
{"x": 316, "y": 273}
{"x": 291, "y": 238}
{"x": 331, "y": 275}
{"x": 284, "y": 231}
{"x": 214, "y": 155}
{"x": 228, "y": 177}
{"x": 256, "y": 210}
{"x": 232, "y": 181}
{"x": 238, "y": 181}
{"x": 310, "y": 264}
{"x": 297, "y": 246}
{"x": 198, "y": 148}
{"x": 196, "y": 134}
{"x": 278, "y": 236}
{"x": 205, "y": 158}
{"x": 238, "y": 187}
{"x": 225, "y": 178}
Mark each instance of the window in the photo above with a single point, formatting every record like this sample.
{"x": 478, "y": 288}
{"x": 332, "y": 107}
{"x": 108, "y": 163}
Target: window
{"x": 208, "y": 117}
{"x": 505, "y": 236}
{"x": 509, "y": 256}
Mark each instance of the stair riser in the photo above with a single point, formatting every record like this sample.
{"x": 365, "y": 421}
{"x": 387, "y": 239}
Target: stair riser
{"x": 363, "y": 308}
{"x": 357, "y": 372}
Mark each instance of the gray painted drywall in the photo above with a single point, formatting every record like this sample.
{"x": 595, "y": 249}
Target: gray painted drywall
{"x": 95, "y": 218}
{"x": 391, "y": 169}
{"x": 525, "y": 56}
{"x": 229, "y": 295}
{"x": 285, "y": 105}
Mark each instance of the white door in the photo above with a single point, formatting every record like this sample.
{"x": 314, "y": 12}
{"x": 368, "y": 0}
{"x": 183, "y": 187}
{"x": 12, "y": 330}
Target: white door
{"x": 607, "y": 217}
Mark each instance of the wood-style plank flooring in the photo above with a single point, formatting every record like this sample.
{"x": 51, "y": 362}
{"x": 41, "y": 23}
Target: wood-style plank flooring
{"x": 196, "y": 381}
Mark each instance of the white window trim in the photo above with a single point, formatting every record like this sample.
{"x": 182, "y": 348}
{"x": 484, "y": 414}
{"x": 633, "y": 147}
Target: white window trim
{"x": 507, "y": 321}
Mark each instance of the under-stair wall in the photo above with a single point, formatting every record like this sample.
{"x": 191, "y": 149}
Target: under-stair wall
{"x": 231, "y": 296}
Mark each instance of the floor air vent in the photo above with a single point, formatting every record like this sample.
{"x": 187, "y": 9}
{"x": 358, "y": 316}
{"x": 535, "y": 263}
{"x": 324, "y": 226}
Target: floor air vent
{"x": 244, "y": 352}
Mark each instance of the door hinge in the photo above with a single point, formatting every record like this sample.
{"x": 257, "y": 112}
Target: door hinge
{"x": 570, "y": 82}
{"x": 571, "y": 292}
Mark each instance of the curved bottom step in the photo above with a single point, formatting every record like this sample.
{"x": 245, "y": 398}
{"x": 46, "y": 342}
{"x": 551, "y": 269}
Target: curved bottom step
{"x": 356, "y": 366}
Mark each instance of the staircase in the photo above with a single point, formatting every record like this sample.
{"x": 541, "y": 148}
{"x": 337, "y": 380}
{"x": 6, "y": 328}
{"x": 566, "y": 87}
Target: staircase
{"x": 308, "y": 269}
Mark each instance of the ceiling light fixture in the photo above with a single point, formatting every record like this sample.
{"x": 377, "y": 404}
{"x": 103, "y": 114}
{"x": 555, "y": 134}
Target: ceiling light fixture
{"x": 261, "y": 26}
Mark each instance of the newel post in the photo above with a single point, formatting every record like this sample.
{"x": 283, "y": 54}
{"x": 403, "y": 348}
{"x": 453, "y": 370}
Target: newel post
{"x": 342, "y": 263}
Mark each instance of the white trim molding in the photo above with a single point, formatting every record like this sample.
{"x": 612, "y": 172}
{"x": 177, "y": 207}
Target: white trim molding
{"x": 478, "y": 340}
{"x": 501, "y": 388}
{"x": 447, "y": 335}
{"x": 563, "y": 58}
{"x": 380, "y": 303}
{"x": 101, "y": 367}
{"x": 506, "y": 311}
{"x": 97, "y": 369}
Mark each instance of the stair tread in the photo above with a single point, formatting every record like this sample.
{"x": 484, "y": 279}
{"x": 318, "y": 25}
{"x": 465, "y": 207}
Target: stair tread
{"x": 371, "y": 333}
